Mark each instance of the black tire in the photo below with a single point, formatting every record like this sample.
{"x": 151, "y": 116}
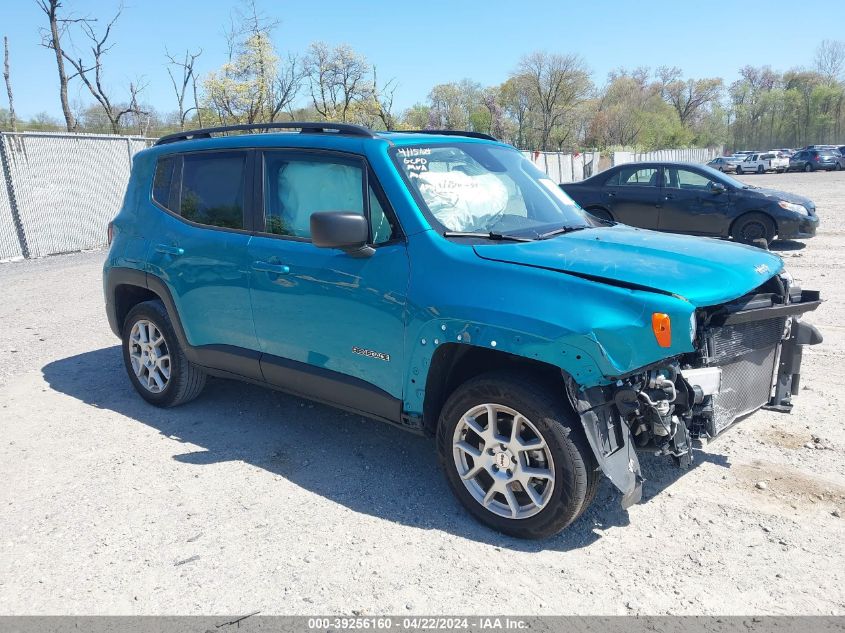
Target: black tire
{"x": 755, "y": 229}
{"x": 575, "y": 468}
{"x": 601, "y": 214}
{"x": 808, "y": 167}
{"x": 738, "y": 170}
{"x": 186, "y": 380}
{"x": 761, "y": 169}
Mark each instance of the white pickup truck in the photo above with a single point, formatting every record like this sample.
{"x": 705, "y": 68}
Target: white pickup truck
{"x": 763, "y": 162}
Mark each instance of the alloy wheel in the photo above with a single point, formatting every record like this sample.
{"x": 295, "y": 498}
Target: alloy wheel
{"x": 149, "y": 356}
{"x": 503, "y": 461}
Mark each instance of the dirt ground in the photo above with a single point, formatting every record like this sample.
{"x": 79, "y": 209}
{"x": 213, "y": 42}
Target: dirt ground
{"x": 249, "y": 500}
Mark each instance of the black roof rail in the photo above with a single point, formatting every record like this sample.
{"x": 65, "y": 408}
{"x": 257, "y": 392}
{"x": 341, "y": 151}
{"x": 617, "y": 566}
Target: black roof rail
{"x": 305, "y": 127}
{"x": 467, "y": 133}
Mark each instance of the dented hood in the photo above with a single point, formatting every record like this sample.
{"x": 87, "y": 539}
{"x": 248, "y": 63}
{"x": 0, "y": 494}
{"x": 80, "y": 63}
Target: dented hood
{"x": 703, "y": 271}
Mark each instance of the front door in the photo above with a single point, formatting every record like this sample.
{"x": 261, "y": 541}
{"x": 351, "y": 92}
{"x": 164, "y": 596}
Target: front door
{"x": 691, "y": 205}
{"x": 633, "y": 196}
{"x": 330, "y": 325}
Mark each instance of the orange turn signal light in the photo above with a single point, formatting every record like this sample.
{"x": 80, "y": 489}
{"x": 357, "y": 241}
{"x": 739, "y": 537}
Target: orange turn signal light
{"x": 661, "y": 324}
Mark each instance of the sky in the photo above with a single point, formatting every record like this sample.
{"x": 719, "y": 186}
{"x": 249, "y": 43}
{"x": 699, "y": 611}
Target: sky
{"x": 425, "y": 42}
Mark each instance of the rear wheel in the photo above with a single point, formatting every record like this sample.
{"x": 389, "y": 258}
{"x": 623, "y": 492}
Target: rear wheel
{"x": 515, "y": 455}
{"x": 760, "y": 169}
{"x": 755, "y": 229}
{"x": 739, "y": 170}
{"x": 155, "y": 362}
{"x": 808, "y": 167}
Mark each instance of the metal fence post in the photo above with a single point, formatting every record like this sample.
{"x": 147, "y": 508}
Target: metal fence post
{"x": 6, "y": 165}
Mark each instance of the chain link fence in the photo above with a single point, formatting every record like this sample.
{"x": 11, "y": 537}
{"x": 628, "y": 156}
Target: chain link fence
{"x": 61, "y": 190}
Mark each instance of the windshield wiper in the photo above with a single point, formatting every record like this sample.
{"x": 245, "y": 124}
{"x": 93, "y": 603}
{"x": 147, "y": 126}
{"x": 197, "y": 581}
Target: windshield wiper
{"x": 560, "y": 231}
{"x": 490, "y": 235}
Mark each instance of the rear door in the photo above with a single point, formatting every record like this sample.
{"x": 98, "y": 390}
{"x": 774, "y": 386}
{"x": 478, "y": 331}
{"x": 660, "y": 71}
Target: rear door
{"x": 633, "y": 195}
{"x": 691, "y": 205}
{"x": 201, "y": 249}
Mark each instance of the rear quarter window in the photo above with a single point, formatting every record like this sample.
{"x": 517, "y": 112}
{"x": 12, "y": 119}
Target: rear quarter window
{"x": 163, "y": 181}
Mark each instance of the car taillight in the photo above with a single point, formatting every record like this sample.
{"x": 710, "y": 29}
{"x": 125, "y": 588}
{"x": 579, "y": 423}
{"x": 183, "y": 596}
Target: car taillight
{"x": 816, "y": 158}
{"x": 111, "y": 232}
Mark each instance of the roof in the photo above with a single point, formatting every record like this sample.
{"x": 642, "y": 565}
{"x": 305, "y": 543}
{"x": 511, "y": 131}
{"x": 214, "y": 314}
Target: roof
{"x": 323, "y": 130}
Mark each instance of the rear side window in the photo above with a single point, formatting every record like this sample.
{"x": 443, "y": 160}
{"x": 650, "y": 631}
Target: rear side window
{"x": 213, "y": 186}
{"x": 634, "y": 177}
{"x": 163, "y": 181}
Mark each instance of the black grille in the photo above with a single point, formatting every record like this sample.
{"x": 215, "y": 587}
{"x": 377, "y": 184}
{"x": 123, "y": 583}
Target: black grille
{"x": 729, "y": 342}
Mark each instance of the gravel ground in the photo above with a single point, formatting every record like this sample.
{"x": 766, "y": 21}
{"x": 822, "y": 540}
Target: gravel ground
{"x": 250, "y": 500}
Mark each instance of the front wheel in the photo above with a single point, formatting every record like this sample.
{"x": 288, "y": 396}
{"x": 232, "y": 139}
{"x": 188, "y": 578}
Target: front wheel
{"x": 755, "y": 229}
{"x": 760, "y": 169}
{"x": 515, "y": 455}
{"x": 155, "y": 362}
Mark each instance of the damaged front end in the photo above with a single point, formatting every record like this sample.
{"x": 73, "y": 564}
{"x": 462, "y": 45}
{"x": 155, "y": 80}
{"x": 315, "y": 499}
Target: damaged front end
{"x": 747, "y": 356}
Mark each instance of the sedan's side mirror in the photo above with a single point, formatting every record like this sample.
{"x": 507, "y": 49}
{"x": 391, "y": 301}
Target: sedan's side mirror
{"x": 718, "y": 188}
{"x": 345, "y": 230}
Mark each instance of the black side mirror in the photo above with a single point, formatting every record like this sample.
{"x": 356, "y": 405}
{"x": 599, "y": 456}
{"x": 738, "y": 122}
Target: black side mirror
{"x": 341, "y": 229}
{"x": 718, "y": 188}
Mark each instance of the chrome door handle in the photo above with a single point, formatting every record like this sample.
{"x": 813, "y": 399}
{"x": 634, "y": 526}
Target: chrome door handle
{"x": 170, "y": 250}
{"x": 267, "y": 267}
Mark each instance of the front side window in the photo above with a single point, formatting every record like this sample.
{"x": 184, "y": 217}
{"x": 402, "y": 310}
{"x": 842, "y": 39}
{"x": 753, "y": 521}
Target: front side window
{"x": 213, "y": 185}
{"x": 297, "y": 186}
{"x": 476, "y": 187}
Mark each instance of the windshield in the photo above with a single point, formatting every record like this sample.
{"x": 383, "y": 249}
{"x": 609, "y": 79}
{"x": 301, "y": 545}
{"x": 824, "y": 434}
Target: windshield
{"x": 481, "y": 188}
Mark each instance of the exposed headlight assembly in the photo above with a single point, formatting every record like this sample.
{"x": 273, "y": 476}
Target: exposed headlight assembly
{"x": 797, "y": 208}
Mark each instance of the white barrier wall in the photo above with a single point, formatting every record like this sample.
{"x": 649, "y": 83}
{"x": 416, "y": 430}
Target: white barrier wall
{"x": 565, "y": 167}
{"x": 691, "y": 155}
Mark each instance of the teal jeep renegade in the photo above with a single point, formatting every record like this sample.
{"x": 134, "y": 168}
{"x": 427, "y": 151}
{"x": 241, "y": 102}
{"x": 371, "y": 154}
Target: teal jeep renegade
{"x": 438, "y": 281}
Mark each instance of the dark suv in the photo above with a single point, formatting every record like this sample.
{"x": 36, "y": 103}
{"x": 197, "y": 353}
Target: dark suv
{"x": 815, "y": 159}
{"x": 442, "y": 283}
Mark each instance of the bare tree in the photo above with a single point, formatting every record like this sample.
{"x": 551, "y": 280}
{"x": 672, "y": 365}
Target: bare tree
{"x": 285, "y": 86}
{"x": 830, "y": 60}
{"x": 558, "y": 83}
{"x": 338, "y": 78}
{"x": 186, "y": 67}
{"x": 383, "y": 101}
{"x": 13, "y": 123}
{"x": 99, "y": 47}
{"x": 52, "y": 38}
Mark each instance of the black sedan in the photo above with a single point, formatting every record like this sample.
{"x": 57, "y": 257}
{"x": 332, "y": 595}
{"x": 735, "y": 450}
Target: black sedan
{"x": 694, "y": 199}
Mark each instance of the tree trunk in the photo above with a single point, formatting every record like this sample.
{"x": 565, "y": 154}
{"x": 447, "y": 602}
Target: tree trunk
{"x": 70, "y": 121}
{"x": 12, "y": 119}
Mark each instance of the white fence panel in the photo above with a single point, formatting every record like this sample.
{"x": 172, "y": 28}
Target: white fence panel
{"x": 562, "y": 167}
{"x": 689, "y": 155}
